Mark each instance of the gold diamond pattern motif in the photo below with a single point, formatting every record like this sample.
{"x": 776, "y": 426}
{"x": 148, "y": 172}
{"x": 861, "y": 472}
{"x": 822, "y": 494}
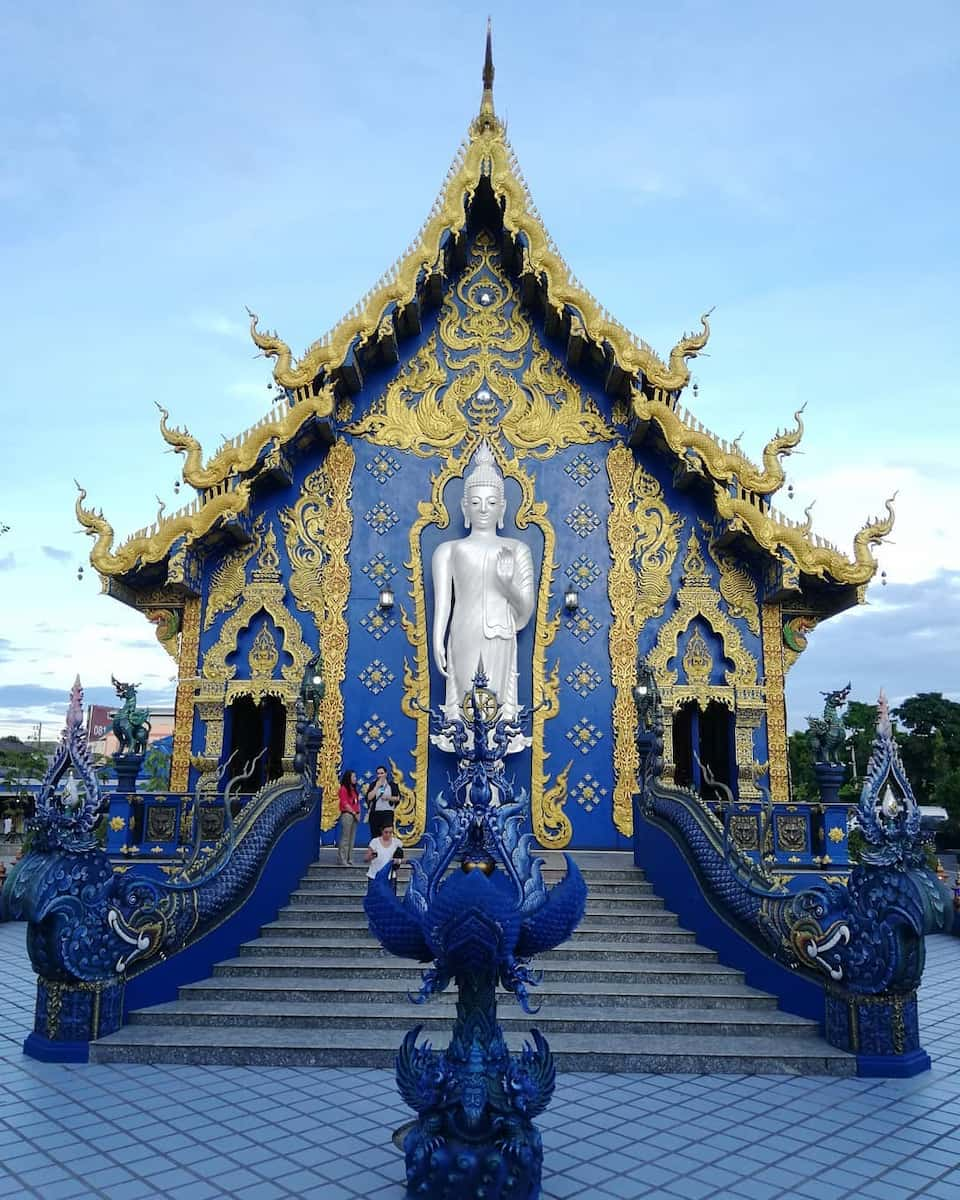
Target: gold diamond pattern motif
{"x": 582, "y": 572}
{"x": 383, "y": 466}
{"x": 588, "y": 793}
{"x": 374, "y": 732}
{"x": 378, "y": 623}
{"x": 379, "y": 570}
{"x": 582, "y": 625}
{"x": 381, "y": 518}
{"x": 583, "y": 679}
{"x": 581, "y": 469}
{"x": 376, "y": 676}
{"x": 582, "y": 520}
{"x": 584, "y": 735}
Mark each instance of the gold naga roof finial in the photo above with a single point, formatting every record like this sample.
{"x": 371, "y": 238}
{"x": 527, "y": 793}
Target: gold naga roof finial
{"x": 487, "y": 118}
{"x": 486, "y": 104}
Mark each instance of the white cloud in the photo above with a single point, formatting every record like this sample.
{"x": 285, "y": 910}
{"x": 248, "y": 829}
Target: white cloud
{"x": 210, "y": 322}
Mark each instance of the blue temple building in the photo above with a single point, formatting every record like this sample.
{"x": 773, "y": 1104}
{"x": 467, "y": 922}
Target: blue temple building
{"x": 649, "y": 538}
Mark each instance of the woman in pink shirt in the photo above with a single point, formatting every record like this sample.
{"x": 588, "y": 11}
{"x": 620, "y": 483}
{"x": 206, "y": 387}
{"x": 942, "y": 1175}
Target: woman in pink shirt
{"x": 349, "y": 817}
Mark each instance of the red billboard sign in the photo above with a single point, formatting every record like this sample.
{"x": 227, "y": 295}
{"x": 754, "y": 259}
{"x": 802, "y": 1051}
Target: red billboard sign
{"x": 98, "y": 722}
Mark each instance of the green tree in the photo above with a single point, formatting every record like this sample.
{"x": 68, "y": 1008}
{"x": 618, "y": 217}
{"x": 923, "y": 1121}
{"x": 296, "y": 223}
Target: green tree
{"x": 19, "y": 768}
{"x": 803, "y": 782}
{"x": 861, "y": 722}
{"x": 156, "y": 766}
{"x": 930, "y": 746}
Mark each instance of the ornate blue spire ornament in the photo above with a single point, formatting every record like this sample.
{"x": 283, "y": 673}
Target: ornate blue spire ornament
{"x": 477, "y": 908}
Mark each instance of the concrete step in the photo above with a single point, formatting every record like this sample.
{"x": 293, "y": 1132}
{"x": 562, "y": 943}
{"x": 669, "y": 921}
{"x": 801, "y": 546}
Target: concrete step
{"x": 437, "y": 1017}
{"x": 331, "y": 885}
{"x": 621, "y": 875}
{"x": 575, "y": 970}
{"x": 321, "y": 906}
{"x": 291, "y": 926}
{"x": 366, "y": 950}
{"x": 353, "y": 926}
{"x": 274, "y": 988}
{"x": 686, "y": 1053}
{"x": 630, "y": 991}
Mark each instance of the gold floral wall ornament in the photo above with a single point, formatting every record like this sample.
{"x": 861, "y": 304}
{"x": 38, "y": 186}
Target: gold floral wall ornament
{"x": 264, "y": 655}
{"x": 642, "y": 536}
{"x": 624, "y": 628}
{"x": 186, "y": 684}
{"x": 547, "y": 411}
{"x": 304, "y": 525}
{"x": 412, "y": 414}
{"x": 655, "y": 547}
{"x": 230, "y": 576}
{"x": 737, "y": 584}
{"x": 776, "y": 708}
{"x": 331, "y": 620}
{"x": 697, "y": 659}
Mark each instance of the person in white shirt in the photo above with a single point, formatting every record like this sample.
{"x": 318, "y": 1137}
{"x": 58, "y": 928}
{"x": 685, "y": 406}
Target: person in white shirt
{"x": 382, "y": 850}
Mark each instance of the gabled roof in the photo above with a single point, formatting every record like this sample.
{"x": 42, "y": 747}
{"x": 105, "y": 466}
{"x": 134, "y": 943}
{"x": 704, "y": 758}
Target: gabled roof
{"x": 333, "y": 365}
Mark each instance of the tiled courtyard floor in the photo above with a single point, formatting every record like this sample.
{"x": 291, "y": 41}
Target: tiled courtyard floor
{"x": 126, "y": 1132}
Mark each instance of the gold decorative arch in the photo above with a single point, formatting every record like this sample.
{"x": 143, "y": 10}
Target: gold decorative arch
{"x": 697, "y": 597}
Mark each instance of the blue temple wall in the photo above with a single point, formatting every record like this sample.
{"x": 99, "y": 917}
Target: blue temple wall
{"x": 388, "y": 484}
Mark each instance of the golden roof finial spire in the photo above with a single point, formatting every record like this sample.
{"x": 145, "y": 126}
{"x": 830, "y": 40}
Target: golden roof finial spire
{"x": 486, "y": 104}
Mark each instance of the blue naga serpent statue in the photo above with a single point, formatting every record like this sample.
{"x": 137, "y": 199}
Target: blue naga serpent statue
{"x": 89, "y": 928}
{"x": 864, "y": 942}
{"x": 478, "y": 909}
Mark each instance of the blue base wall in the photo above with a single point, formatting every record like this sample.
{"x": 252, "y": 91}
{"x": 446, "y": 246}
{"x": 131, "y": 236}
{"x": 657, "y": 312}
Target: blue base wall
{"x": 295, "y": 850}
{"x": 675, "y": 880}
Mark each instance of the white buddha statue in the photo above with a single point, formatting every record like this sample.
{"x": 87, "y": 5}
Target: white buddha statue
{"x": 484, "y": 594}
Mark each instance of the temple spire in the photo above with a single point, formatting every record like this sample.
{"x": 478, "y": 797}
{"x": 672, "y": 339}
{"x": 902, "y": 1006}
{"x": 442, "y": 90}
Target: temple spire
{"x": 486, "y": 103}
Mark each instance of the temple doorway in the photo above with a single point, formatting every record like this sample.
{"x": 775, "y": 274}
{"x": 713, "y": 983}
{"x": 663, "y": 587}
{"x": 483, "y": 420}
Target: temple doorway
{"x": 704, "y": 738}
{"x": 254, "y": 728}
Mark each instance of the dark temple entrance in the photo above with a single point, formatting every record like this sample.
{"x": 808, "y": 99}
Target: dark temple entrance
{"x": 704, "y": 738}
{"x": 253, "y": 728}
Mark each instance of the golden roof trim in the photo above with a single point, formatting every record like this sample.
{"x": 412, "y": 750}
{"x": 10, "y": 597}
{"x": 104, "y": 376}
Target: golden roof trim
{"x": 813, "y": 556}
{"x": 151, "y": 545}
{"x": 240, "y": 454}
{"x": 486, "y": 153}
{"x": 723, "y": 462}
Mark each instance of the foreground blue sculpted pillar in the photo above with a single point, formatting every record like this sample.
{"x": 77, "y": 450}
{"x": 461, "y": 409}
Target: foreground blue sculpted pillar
{"x": 62, "y": 876}
{"x": 478, "y": 909}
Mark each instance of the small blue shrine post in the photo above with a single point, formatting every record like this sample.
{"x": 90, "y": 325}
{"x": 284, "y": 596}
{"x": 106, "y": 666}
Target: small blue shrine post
{"x": 474, "y": 1135}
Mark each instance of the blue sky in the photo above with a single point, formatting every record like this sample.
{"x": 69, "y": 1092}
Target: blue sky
{"x": 165, "y": 165}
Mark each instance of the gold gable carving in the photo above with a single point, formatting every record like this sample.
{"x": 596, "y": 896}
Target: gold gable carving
{"x": 264, "y": 593}
{"x": 697, "y": 598}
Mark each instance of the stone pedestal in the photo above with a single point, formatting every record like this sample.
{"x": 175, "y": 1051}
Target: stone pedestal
{"x": 127, "y": 768}
{"x": 882, "y": 1031}
{"x": 69, "y": 1016}
{"x": 830, "y": 777}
